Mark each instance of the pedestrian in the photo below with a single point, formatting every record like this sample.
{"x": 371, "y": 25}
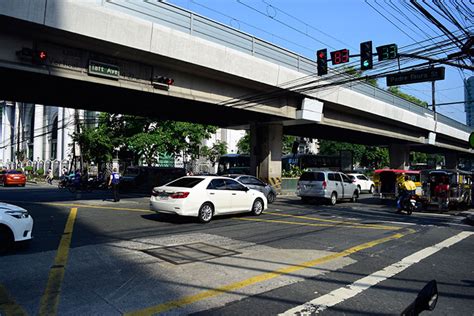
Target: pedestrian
{"x": 114, "y": 181}
{"x": 49, "y": 177}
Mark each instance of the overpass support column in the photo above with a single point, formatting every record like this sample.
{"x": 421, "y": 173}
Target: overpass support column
{"x": 399, "y": 155}
{"x": 265, "y": 152}
{"x": 450, "y": 160}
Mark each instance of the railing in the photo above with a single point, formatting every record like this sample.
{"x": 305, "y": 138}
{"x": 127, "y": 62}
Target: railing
{"x": 183, "y": 20}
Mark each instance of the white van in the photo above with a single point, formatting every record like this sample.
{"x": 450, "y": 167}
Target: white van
{"x": 330, "y": 185}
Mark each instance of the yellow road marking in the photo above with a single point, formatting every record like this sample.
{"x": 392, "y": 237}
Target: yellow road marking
{"x": 8, "y": 307}
{"x": 334, "y": 221}
{"x": 50, "y": 300}
{"x": 260, "y": 278}
{"x": 99, "y": 207}
{"x": 318, "y": 225}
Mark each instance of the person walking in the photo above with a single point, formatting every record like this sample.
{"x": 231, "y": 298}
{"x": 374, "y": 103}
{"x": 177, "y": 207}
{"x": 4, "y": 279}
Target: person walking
{"x": 114, "y": 181}
{"x": 50, "y": 176}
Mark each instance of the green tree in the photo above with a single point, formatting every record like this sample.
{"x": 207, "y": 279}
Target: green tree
{"x": 212, "y": 154}
{"x": 243, "y": 145}
{"x": 396, "y": 90}
{"x": 333, "y": 148}
{"x": 375, "y": 157}
{"x": 95, "y": 144}
{"x": 351, "y": 70}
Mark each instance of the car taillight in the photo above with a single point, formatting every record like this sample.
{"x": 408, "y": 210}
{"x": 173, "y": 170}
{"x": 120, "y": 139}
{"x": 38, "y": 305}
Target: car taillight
{"x": 324, "y": 185}
{"x": 179, "y": 195}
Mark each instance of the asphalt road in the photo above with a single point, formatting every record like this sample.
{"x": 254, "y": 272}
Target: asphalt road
{"x": 93, "y": 256}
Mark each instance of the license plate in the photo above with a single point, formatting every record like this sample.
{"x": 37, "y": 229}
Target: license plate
{"x": 16, "y": 178}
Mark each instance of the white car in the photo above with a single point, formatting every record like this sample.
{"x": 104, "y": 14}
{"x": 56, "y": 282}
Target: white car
{"x": 16, "y": 224}
{"x": 206, "y": 196}
{"x": 363, "y": 183}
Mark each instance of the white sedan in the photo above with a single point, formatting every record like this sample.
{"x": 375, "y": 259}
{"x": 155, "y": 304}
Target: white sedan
{"x": 204, "y": 197}
{"x": 16, "y": 224}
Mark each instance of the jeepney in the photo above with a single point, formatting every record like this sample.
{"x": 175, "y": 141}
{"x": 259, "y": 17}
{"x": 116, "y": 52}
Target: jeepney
{"x": 458, "y": 194}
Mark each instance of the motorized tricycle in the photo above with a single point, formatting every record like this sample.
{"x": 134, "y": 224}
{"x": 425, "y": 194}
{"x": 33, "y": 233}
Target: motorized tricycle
{"x": 445, "y": 189}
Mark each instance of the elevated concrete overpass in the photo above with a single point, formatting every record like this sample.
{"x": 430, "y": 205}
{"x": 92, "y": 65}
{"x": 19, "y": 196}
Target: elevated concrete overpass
{"x": 106, "y": 55}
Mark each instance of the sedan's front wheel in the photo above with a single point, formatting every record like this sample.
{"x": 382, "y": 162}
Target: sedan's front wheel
{"x": 205, "y": 213}
{"x": 257, "y": 207}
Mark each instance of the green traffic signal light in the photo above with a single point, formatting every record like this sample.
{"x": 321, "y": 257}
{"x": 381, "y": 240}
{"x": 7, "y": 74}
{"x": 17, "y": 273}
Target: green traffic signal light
{"x": 366, "y": 59}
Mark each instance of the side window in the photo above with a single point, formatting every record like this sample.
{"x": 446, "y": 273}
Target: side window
{"x": 346, "y": 178}
{"x": 337, "y": 177}
{"x": 254, "y": 181}
{"x": 233, "y": 185}
{"x": 217, "y": 184}
{"x": 362, "y": 178}
{"x": 245, "y": 180}
{"x": 331, "y": 177}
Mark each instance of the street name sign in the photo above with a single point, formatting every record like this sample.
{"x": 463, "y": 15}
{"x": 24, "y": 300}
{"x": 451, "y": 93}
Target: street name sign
{"x": 103, "y": 70}
{"x": 415, "y": 76}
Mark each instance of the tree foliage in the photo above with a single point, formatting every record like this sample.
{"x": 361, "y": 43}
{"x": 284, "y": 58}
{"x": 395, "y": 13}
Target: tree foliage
{"x": 396, "y": 90}
{"x": 243, "y": 145}
{"x": 213, "y": 153}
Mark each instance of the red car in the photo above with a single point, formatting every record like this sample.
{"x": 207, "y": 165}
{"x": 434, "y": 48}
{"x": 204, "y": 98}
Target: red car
{"x": 12, "y": 177}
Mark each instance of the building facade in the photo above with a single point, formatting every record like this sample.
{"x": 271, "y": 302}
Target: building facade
{"x": 33, "y": 132}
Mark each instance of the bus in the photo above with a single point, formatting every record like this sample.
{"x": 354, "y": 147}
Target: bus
{"x": 233, "y": 163}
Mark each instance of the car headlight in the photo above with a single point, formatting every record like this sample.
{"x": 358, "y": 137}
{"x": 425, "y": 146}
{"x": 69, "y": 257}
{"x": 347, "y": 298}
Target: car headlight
{"x": 18, "y": 214}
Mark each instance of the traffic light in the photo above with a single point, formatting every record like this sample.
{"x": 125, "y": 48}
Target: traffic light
{"x": 387, "y": 52}
{"x": 366, "y": 60}
{"x": 36, "y": 56}
{"x": 162, "y": 80}
{"x": 322, "y": 59}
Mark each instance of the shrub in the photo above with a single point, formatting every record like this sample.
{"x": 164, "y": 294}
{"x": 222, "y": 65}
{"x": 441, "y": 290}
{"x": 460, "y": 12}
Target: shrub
{"x": 40, "y": 171}
{"x": 29, "y": 169}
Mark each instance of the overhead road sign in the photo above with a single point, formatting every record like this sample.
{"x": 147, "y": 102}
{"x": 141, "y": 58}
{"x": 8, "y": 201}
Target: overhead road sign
{"x": 415, "y": 76}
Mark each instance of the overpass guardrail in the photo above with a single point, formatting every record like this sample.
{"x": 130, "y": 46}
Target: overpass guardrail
{"x": 186, "y": 21}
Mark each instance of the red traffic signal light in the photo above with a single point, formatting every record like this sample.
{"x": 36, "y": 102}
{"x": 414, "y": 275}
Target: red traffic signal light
{"x": 162, "y": 81}
{"x": 36, "y": 56}
{"x": 41, "y": 55}
{"x": 366, "y": 58}
{"x": 322, "y": 61}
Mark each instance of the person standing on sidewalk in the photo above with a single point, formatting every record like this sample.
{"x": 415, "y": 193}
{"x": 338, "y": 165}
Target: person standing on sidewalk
{"x": 114, "y": 181}
{"x": 50, "y": 176}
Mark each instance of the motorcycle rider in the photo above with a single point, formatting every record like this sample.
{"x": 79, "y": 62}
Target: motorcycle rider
{"x": 407, "y": 188}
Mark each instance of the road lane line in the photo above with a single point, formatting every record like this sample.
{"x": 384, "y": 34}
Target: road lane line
{"x": 333, "y": 221}
{"x": 317, "y": 224}
{"x": 8, "y": 307}
{"x": 229, "y": 288}
{"x": 50, "y": 299}
{"x": 99, "y": 207}
{"x": 340, "y": 295}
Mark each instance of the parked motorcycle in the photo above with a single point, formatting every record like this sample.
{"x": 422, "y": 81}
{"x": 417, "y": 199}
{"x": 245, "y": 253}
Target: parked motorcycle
{"x": 425, "y": 301}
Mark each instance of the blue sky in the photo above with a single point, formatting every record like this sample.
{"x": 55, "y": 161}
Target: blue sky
{"x": 304, "y": 26}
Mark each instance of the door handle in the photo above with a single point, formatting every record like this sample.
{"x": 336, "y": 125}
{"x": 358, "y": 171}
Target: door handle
{"x": 211, "y": 193}
{"x": 234, "y": 193}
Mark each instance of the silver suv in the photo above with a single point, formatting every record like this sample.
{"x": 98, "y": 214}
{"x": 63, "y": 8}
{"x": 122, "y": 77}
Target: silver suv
{"x": 330, "y": 185}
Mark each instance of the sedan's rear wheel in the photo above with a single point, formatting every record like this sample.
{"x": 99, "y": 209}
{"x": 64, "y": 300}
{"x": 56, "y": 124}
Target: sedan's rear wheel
{"x": 257, "y": 207}
{"x": 205, "y": 213}
{"x": 271, "y": 197}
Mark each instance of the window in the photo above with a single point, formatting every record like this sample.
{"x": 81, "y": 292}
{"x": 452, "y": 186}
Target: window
{"x": 185, "y": 182}
{"x": 331, "y": 177}
{"x": 251, "y": 181}
{"x": 337, "y": 177}
{"x": 217, "y": 184}
{"x": 312, "y": 176}
{"x": 346, "y": 178}
{"x": 233, "y": 185}
{"x": 362, "y": 178}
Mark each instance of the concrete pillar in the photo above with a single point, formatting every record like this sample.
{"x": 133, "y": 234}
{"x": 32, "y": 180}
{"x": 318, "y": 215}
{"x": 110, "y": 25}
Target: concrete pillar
{"x": 399, "y": 155}
{"x": 39, "y": 132}
{"x": 451, "y": 160}
{"x": 265, "y": 148}
{"x": 7, "y": 131}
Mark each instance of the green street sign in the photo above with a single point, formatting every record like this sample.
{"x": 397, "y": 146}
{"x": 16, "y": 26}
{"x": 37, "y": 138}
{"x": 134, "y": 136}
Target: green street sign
{"x": 97, "y": 68}
{"x": 471, "y": 140}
